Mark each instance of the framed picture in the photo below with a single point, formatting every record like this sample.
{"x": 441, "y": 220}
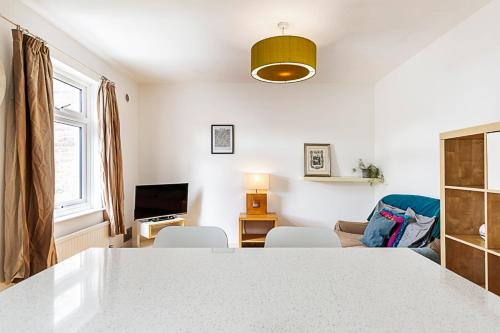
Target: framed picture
{"x": 222, "y": 139}
{"x": 317, "y": 161}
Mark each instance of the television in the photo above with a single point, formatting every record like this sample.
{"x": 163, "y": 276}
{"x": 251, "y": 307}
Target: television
{"x": 152, "y": 201}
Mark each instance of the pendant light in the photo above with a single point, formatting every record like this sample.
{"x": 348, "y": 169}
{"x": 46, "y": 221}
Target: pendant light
{"x": 283, "y": 59}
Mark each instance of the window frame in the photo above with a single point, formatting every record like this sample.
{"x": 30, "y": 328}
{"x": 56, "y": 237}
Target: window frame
{"x": 84, "y": 122}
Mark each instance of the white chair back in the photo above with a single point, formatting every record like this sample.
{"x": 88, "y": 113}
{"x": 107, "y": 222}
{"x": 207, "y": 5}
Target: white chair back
{"x": 191, "y": 237}
{"x": 307, "y": 237}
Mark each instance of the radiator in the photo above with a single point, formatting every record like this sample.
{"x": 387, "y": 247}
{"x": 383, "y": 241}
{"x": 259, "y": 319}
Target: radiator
{"x": 76, "y": 242}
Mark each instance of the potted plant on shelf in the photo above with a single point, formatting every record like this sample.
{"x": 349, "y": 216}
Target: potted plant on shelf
{"x": 370, "y": 171}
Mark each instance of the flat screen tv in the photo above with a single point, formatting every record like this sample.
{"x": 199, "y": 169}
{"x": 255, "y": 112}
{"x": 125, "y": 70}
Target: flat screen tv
{"x": 160, "y": 200}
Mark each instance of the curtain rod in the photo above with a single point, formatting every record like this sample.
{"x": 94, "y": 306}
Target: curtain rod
{"x": 27, "y": 32}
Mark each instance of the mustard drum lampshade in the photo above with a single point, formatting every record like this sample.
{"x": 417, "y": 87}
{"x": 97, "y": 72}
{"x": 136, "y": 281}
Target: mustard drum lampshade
{"x": 283, "y": 59}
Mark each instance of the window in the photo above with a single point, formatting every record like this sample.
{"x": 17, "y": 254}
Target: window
{"x": 73, "y": 144}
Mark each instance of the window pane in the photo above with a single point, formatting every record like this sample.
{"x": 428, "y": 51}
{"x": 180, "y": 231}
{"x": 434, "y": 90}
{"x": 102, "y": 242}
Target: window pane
{"x": 68, "y": 162}
{"x": 67, "y": 97}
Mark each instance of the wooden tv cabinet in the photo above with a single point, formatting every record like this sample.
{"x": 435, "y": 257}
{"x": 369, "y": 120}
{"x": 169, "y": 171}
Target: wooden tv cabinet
{"x": 146, "y": 232}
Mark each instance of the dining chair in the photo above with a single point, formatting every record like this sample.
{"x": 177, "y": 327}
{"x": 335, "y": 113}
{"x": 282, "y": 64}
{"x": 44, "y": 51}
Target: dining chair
{"x": 307, "y": 237}
{"x": 191, "y": 237}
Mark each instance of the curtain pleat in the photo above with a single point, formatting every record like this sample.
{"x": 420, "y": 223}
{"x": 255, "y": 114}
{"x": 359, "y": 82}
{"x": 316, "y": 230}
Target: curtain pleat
{"x": 111, "y": 156}
{"x": 29, "y": 163}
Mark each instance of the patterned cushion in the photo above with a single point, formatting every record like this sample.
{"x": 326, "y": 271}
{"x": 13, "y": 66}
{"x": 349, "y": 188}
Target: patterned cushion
{"x": 378, "y": 231}
{"x": 421, "y": 205}
{"x": 418, "y": 231}
{"x": 399, "y": 219}
{"x": 401, "y": 232}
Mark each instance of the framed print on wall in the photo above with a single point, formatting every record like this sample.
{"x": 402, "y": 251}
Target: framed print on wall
{"x": 222, "y": 139}
{"x": 317, "y": 160}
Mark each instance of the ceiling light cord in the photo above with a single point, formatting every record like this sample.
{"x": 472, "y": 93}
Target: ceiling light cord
{"x": 27, "y": 32}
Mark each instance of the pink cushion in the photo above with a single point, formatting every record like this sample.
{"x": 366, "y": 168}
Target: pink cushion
{"x": 394, "y": 235}
{"x": 399, "y": 219}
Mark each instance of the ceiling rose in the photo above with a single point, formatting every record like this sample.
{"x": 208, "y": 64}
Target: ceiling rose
{"x": 283, "y": 59}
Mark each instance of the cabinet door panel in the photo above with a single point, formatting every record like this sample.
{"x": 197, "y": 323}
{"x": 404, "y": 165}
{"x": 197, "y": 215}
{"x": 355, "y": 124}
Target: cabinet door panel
{"x": 494, "y": 161}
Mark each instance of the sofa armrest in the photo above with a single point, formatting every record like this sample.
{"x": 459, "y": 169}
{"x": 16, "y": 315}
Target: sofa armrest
{"x": 351, "y": 227}
{"x": 436, "y": 245}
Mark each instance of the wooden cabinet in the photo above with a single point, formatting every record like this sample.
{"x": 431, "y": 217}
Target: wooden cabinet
{"x": 254, "y": 228}
{"x": 470, "y": 197}
{"x": 493, "y": 144}
{"x": 146, "y": 232}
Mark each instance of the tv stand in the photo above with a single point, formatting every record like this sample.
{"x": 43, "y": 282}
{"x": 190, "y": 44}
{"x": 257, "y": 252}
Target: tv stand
{"x": 146, "y": 230}
{"x": 160, "y": 219}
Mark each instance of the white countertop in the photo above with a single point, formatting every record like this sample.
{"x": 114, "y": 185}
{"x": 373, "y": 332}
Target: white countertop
{"x": 245, "y": 290}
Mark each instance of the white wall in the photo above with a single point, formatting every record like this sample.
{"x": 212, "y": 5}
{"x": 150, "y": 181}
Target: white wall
{"x": 272, "y": 122}
{"x": 128, "y": 111}
{"x": 453, "y": 83}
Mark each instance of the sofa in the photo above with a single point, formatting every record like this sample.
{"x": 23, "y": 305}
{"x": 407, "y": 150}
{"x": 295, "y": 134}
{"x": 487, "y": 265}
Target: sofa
{"x": 350, "y": 233}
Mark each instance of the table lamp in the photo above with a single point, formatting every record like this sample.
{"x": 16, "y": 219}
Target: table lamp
{"x": 256, "y": 184}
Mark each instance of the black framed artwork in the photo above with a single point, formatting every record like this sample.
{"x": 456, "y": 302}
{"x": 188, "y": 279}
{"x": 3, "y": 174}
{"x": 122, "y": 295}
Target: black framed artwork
{"x": 317, "y": 160}
{"x": 222, "y": 139}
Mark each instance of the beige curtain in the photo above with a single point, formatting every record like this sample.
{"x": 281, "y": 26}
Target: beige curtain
{"x": 29, "y": 163}
{"x": 111, "y": 156}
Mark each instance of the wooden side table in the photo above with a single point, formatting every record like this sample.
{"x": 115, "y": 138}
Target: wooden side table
{"x": 255, "y": 240}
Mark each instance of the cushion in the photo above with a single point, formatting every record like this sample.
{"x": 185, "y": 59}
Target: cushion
{"x": 399, "y": 219}
{"x": 378, "y": 231}
{"x": 421, "y": 205}
{"x": 394, "y": 236}
{"x": 393, "y": 239}
{"x": 401, "y": 231}
{"x": 417, "y": 232}
{"x": 381, "y": 206}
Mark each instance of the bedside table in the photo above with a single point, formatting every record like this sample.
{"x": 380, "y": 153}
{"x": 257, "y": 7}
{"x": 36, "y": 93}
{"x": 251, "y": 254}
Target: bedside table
{"x": 256, "y": 240}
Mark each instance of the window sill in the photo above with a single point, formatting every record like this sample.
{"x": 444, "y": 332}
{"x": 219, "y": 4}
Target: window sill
{"x": 77, "y": 215}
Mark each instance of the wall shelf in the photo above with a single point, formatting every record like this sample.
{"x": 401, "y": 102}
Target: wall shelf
{"x": 343, "y": 180}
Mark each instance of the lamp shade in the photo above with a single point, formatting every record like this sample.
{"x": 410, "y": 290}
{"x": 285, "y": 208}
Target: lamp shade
{"x": 283, "y": 59}
{"x": 257, "y": 181}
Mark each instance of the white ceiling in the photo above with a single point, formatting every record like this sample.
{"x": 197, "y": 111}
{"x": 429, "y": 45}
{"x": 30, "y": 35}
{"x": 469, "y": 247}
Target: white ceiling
{"x": 210, "y": 40}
